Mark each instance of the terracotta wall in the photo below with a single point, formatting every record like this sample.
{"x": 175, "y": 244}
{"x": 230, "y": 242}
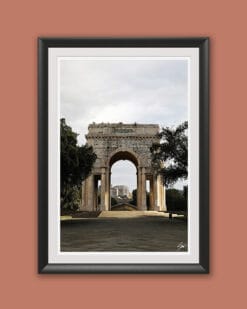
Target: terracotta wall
{"x": 21, "y": 23}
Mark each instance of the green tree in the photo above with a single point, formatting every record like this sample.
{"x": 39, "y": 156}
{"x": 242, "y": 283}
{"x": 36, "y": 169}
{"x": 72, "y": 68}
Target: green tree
{"x": 170, "y": 157}
{"x": 134, "y": 198}
{"x": 76, "y": 164}
{"x": 176, "y": 200}
{"x": 185, "y": 192}
{"x": 70, "y": 198}
{"x": 113, "y": 201}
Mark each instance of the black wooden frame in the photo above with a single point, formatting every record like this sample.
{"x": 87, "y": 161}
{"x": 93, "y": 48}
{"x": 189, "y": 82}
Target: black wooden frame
{"x": 44, "y": 267}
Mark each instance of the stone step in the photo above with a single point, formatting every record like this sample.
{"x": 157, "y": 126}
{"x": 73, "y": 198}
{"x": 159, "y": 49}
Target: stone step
{"x": 131, "y": 214}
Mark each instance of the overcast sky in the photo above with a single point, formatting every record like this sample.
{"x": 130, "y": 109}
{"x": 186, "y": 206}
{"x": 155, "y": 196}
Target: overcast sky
{"x": 128, "y": 91}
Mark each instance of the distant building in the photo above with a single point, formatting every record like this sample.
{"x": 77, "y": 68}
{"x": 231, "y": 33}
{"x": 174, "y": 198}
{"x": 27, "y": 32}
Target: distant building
{"x": 120, "y": 191}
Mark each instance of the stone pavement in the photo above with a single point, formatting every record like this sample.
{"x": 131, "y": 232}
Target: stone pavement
{"x": 124, "y": 231}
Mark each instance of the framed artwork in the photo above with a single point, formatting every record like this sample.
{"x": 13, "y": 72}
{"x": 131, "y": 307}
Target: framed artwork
{"x": 123, "y": 146}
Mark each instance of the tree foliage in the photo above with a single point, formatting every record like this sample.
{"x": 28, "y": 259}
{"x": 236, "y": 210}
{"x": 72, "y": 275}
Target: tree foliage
{"x": 134, "y": 198}
{"x": 113, "y": 201}
{"x": 76, "y": 164}
{"x": 170, "y": 157}
{"x": 70, "y": 197}
{"x": 176, "y": 199}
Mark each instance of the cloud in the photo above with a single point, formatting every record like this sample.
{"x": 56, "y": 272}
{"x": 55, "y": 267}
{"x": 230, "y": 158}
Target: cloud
{"x": 128, "y": 91}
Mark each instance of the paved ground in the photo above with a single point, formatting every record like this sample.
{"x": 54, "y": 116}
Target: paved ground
{"x": 124, "y": 231}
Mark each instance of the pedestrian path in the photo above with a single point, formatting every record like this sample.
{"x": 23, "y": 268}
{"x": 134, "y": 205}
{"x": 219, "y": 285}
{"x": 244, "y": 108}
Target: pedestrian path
{"x": 148, "y": 231}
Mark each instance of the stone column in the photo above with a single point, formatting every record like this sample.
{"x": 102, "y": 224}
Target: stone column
{"x": 90, "y": 193}
{"x": 95, "y": 194}
{"x": 143, "y": 190}
{"x": 139, "y": 189}
{"x": 151, "y": 195}
{"x": 87, "y": 202}
{"x": 164, "y": 198}
{"x": 155, "y": 193}
{"x": 103, "y": 189}
{"x": 163, "y": 201}
{"x": 160, "y": 194}
{"x": 107, "y": 189}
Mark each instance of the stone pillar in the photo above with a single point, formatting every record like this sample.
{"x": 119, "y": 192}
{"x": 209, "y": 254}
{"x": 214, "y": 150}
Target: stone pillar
{"x": 103, "y": 189}
{"x": 143, "y": 190}
{"x": 155, "y": 193}
{"x": 95, "y": 194}
{"x": 90, "y": 193}
{"x": 87, "y": 203}
{"x": 164, "y": 198}
{"x": 160, "y": 194}
{"x": 151, "y": 195}
{"x": 139, "y": 189}
{"x": 107, "y": 189}
{"x": 163, "y": 201}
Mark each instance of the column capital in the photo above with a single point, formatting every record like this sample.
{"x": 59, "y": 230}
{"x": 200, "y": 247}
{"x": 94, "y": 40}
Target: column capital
{"x": 141, "y": 169}
{"x": 103, "y": 170}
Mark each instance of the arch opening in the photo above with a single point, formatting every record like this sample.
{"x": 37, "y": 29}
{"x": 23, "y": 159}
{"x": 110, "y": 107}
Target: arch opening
{"x": 123, "y": 182}
{"x": 124, "y": 155}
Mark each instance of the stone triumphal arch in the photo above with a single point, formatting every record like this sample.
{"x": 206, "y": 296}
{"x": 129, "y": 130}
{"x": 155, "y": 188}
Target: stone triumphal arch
{"x": 118, "y": 141}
